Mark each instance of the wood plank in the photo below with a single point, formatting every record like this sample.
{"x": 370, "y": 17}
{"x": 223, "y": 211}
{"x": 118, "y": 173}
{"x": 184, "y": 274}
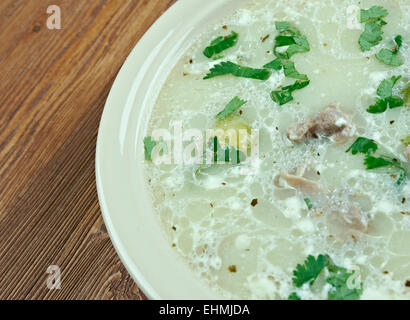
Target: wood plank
{"x": 53, "y": 88}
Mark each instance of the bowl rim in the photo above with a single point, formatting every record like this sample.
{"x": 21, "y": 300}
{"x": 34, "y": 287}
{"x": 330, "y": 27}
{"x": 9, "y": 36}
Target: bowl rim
{"x": 123, "y": 84}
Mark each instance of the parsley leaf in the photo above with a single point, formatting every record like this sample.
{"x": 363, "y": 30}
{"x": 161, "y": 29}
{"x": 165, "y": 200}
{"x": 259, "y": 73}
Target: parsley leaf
{"x": 308, "y": 203}
{"x": 385, "y": 92}
{"x": 338, "y": 278}
{"x": 289, "y": 68}
{"x": 291, "y": 72}
{"x": 374, "y": 163}
{"x": 390, "y": 57}
{"x": 385, "y": 89}
{"x": 363, "y": 145}
{"x": 399, "y": 42}
{"x": 294, "y": 296}
{"x": 291, "y": 38}
{"x": 372, "y": 35}
{"x": 236, "y": 70}
{"x": 220, "y": 44}
{"x": 230, "y": 108}
{"x": 367, "y": 147}
{"x": 149, "y": 145}
{"x": 340, "y": 289}
{"x": 285, "y": 95}
{"x": 308, "y": 272}
{"x": 375, "y": 13}
{"x": 275, "y": 64}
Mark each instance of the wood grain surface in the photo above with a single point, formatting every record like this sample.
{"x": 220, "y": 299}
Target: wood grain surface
{"x": 53, "y": 87}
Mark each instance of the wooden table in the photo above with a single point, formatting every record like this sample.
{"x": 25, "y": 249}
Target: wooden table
{"x": 53, "y": 87}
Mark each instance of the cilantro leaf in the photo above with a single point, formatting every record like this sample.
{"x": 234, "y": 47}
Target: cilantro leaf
{"x": 371, "y": 36}
{"x": 230, "y": 108}
{"x": 289, "y": 68}
{"x": 289, "y": 37}
{"x": 291, "y": 72}
{"x": 375, "y": 13}
{"x": 363, "y": 145}
{"x": 385, "y": 89}
{"x": 339, "y": 278}
{"x": 294, "y": 296}
{"x": 234, "y": 69}
{"x": 220, "y": 44}
{"x": 385, "y": 92}
{"x": 309, "y": 271}
{"x": 367, "y": 147}
{"x": 149, "y": 145}
{"x": 379, "y": 107}
{"x": 374, "y": 163}
{"x": 275, "y": 64}
{"x": 406, "y": 141}
{"x": 389, "y": 57}
{"x": 340, "y": 289}
{"x": 308, "y": 203}
{"x": 285, "y": 95}
{"x": 399, "y": 42}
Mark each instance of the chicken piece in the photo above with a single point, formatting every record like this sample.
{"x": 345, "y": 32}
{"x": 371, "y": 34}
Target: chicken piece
{"x": 321, "y": 193}
{"x": 406, "y": 153}
{"x": 354, "y": 218}
{"x": 304, "y": 185}
{"x": 331, "y": 123}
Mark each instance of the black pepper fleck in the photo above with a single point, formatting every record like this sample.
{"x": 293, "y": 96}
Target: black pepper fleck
{"x": 232, "y": 268}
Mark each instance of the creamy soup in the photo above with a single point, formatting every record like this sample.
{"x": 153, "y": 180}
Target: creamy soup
{"x": 245, "y": 232}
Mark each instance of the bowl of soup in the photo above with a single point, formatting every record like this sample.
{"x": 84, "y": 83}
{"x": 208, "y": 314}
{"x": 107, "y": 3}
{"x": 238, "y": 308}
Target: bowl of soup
{"x": 260, "y": 150}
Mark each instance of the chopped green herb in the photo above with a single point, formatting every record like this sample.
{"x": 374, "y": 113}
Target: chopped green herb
{"x": 338, "y": 278}
{"x": 385, "y": 92}
{"x": 340, "y": 289}
{"x": 285, "y": 95}
{"x": 375, "y": 13}
{"x": 406, "y": 141}
{"x": 275, "y": 64}
{"x": 149, "y": 145}
{"x": 372, "y": 35}
{"x": 309, "y": 271}
{"x": 399, "y": 42}
{"x": 230, "y": 108}
{"x": 291, "y": 72}
{"x": 291, "y": 38}
{"x": 308, "y": 203}
{"x": 367, "y": 147}
{"x": 294, "y": 296}
{"x": 236, "y": 70}
{"x": 289, "y": 68}
{"x": 385, "y": 89}
{"x": 220, "y": 44}
{"x": 363, "y": 145}
{"x": 390, "y": 57}
{"x": 374, "y": 163}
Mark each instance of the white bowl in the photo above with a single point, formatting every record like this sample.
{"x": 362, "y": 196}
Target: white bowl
{"x": 124, "y": 199}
